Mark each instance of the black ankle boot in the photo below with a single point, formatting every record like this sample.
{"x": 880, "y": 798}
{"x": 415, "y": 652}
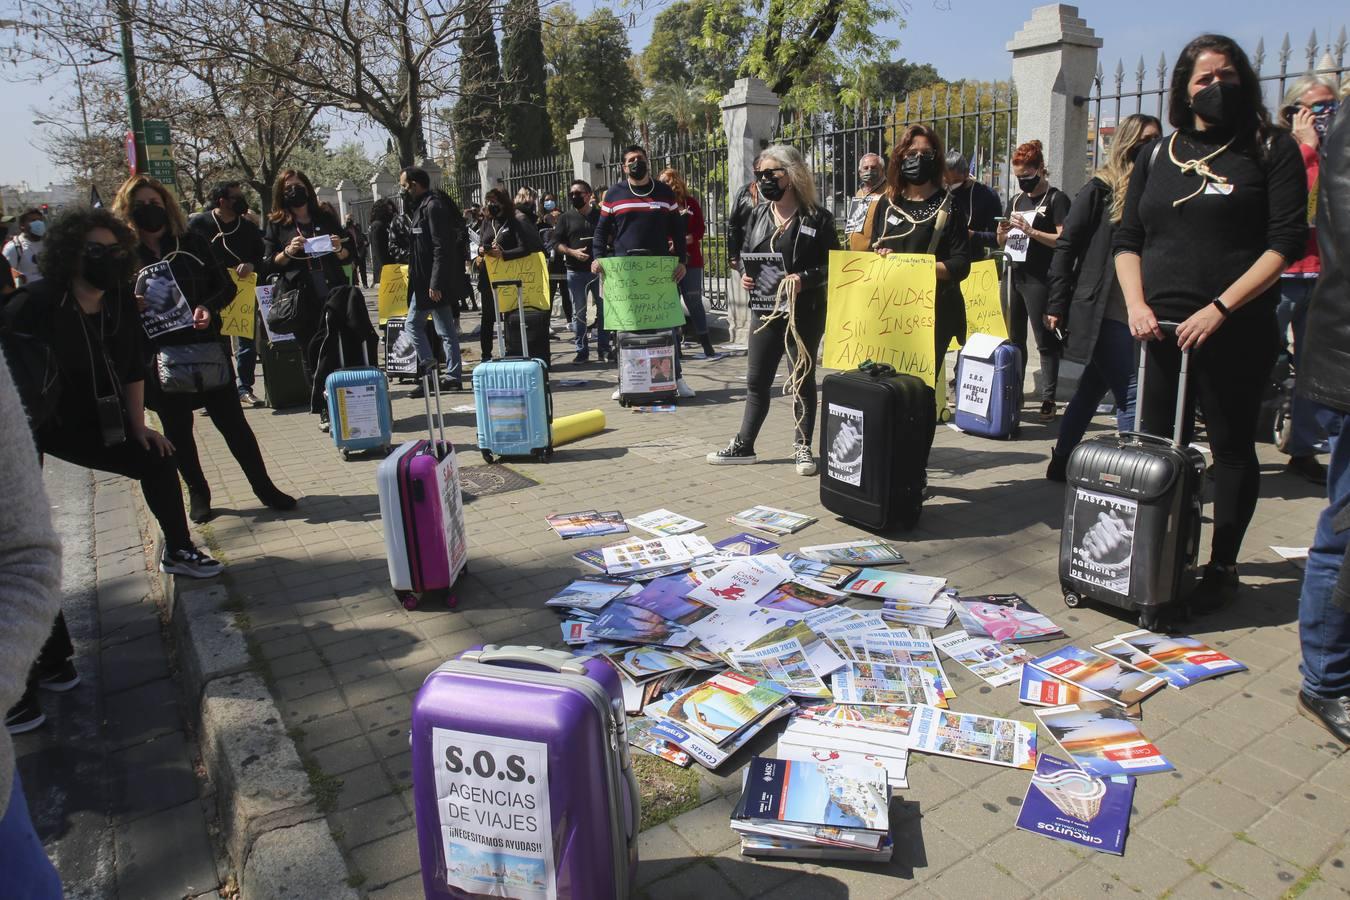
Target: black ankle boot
{"x": 199, "y": 505}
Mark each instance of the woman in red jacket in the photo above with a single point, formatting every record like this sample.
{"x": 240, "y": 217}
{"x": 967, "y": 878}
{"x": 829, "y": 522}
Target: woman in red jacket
{"x": 691, "y": 285}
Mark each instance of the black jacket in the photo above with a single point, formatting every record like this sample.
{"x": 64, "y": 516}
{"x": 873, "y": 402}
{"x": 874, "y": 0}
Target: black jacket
{"x": 296, "y": 272}
{"x": 344, "y": 331}
{"x": 439, "y": 248}
{"x": 240, "y": 242}
{"x": 202, "y": 281}
{"x": 1324, "y": 376}
{"x": 976, "y": 207}
{"x": 747, "y": 198}
{"x": 1082, "y": 270}
{"x": 379, "y": 246}
{"x": 809, "y": 256}
{"x": 516, "y": 237}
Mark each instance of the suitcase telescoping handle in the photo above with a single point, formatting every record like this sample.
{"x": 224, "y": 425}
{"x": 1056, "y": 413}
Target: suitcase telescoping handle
{"x": 520, "y": 308}
{"x": 1168, "y": 329}
{"x": 431, "y": 383}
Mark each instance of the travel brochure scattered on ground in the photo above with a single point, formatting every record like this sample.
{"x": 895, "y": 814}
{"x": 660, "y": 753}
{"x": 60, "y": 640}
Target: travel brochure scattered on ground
{"x": 716, "y": 642}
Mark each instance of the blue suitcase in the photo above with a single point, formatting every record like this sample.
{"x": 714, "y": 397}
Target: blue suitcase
{"x": 989, "y": 388}
{"x": 358, "y": 407}
{"x": 512, "y": 398}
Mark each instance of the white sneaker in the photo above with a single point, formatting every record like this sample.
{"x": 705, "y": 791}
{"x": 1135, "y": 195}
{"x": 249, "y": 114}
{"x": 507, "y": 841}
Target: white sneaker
{"x": 615, "y": 395}
{"x": 682, "y": 389}
{"x": 806, "y": 463}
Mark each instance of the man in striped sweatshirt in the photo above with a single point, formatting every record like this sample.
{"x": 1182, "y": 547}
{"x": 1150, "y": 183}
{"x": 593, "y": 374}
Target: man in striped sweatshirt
{"x": 640, "y": 215}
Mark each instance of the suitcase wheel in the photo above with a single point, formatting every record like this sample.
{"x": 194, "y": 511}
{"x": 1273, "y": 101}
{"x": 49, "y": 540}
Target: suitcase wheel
{"x": 945, "y": 415}
{"x": 408, "y": 599}
{"x": 1148, "y": 618}
{"x": 909, "y": 517}
{"x": 346, "y": 454}
{"x": 487, "y": 457}
{"x": 1072, "y": 600}
{"x": 451, "y": 601}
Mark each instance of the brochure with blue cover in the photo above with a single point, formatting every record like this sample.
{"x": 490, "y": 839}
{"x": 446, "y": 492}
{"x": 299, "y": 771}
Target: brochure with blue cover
{"x": 1102, "y": 741}
{"x": 816, "y": 793}
{"x": 745, "y": 544}
{"x": 1067, "y": 804}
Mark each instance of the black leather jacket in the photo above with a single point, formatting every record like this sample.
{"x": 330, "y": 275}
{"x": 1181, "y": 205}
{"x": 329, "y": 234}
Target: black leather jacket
{"x": 811, "y": 237}
{"x": 747, "y": 198}
{"x": 1082, "y": 271}
{"x": 1324, "y": 374}
{"x": 438, "y": 250}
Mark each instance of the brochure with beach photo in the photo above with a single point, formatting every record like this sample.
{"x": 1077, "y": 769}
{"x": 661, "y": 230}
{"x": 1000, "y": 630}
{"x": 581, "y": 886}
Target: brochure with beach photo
{"x": 1191, "y": 659}
{"x": 868, "y": 552}
{"x": 1140, "y": 661}
{"x": 816, "y": 793}
{"x": 1039, "y": 689}
{"x": 707, "y": 753}
{"x": 1067, "y": 804}
{"x": 995, "y": 664}
{"x": 724, "y": 705}
{"x": 663, "y": 522}
{"x": 771, "y": 520}
{"x": 1101, "y": 740}
{"x": 1098, "y": 674}
{"x": 895, "y": 722}
{"x": 799, "y": 596}
{"x": 1002, "y": 742}
{"x": 784, "y": 664}
{"x": 1006, "y": 618}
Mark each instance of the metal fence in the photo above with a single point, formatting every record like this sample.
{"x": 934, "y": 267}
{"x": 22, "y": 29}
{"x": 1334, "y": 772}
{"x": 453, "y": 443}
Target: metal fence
{"x": 466, "y": 189}
{"x": 1149, "y": 92}
{"x": 544, "y": 175}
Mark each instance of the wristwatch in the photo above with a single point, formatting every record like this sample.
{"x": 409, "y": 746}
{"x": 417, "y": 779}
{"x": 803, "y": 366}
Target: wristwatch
{"x": 1223, "y": 310}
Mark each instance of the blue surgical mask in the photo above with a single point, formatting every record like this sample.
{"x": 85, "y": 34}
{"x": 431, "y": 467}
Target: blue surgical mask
{"x": 37, "y": 228}
{"x": 550, "y": 206}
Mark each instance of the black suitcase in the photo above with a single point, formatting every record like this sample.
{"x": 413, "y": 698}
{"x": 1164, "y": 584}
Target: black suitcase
{"x": 284, "y": 381}
{"x": 536, "y": 332}
{"x": 1132, "y": 514}
{"x": 646, "y": 368}
{"x": 876, "y": 428}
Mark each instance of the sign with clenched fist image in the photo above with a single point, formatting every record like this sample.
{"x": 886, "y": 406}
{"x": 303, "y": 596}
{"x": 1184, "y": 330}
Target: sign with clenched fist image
{"x": 844, "y": 447}
{"x": 1103, "y": 540}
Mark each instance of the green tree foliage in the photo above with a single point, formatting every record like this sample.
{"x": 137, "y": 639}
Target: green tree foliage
{"x": 476, "y": 115}
{"x": 588, "y": 70}
{"x": 347, "y": 162}
{"x": 524, "y": 93}
{"x": 690, "y": 47}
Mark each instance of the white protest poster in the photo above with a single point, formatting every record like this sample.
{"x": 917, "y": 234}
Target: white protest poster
{"x": 452, "y": 512}
{"x": 1019, "y": 241}
{"x": 166, "y": 309}
{"x": 973, "y": 393}
{"x": 647, "y": 370}
{"x": 1103, "y": 540}
{"x": 264, "y": 307}
{"x": 492, "y": 801}
{"x": 358, "y": 411}
{"x": 844, "y": 444}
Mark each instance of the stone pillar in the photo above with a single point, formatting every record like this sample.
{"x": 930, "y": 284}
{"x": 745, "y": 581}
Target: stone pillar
{"x": 750, "y": 118}
{"x": 434, "y": 172}
{"x": 590, "y": 143}
{"x": 1054, "y": 60}
{"x": 347, "y": 195}
{"x": 382, "y": 186}
{"x": 494, "y": 165}
{"x": 328, "y": 195}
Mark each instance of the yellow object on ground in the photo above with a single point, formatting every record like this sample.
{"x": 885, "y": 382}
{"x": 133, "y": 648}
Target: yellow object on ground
{"x": 577, "y": 426}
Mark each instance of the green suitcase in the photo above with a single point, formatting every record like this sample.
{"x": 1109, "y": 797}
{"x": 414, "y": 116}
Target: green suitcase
{"x": 284, "y": 381}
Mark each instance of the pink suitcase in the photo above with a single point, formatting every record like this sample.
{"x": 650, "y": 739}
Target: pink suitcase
{"x": 423, "y": 512}
{"x": 522, "y": 782}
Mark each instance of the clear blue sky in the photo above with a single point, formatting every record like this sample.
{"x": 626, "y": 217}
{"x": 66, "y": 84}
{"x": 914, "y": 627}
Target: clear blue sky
{"x": 962, "y": 38}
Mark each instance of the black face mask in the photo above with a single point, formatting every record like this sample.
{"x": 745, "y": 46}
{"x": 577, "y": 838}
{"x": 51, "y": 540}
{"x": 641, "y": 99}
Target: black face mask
{"x": 104, "y": 272}
{"x": 239, "y": 205}
{"x": 769, "y": 188}
{"x": 295, "y": 196}
{"x": 869, "y": 177}
{"x": 578, "y": 201}
{"x": 494, "y": 210}
{"x": 1221, "y": 103}
{"x": 919, "y": 169}
{"x": 637, "y": 169}
{"x": 1028, "y": 183}
{"x": 406, "y": 195}
{"x": 150, "y": 217}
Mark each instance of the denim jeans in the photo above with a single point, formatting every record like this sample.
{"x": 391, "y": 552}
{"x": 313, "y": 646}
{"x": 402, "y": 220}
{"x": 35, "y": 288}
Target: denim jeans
{"x": 25, "y": 870}
{"x": 691, "y": 289}
{"x": 1323, "y": 626}
{"x": 1305, "y": 430}
{"x": 443, "y": 315}
{"x": 1110, "y": 369}
{"x": 581, "y": 285}
{"x": 245, "y": 361}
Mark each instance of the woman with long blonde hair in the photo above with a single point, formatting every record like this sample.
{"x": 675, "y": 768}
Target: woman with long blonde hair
{"x": 1085, "y": 300}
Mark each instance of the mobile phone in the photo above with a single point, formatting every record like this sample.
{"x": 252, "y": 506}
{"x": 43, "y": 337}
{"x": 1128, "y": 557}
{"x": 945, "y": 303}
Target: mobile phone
{"x": 320, "y": 244}
{"x": 111, "y": 422}
{"x": 999, "y": 220}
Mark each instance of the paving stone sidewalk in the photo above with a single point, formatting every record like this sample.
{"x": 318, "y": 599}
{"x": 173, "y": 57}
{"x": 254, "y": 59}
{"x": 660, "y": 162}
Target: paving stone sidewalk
{"x": 111, "y": 779}
{"x": 1258, "y": 804}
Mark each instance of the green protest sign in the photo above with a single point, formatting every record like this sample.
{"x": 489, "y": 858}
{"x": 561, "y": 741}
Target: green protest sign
{"x": 640, "y": 293}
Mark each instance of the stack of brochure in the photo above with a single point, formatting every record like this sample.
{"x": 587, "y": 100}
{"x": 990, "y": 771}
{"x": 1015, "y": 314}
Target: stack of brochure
{"x": 828, "y": 574}
{"x": 633, "y": 557}
{"x": 712, "y": 720}
{"x": 1180, "y": 661}
{"x": 856, "y": 735}
{"x": 814, "y": 810}
{"x": 1006, "y": 618}
{"x": 587, "y": 523}
{"x": 868, "y": 552}
{"x": 663, "y": 522}
{"x": 771, "y": 520}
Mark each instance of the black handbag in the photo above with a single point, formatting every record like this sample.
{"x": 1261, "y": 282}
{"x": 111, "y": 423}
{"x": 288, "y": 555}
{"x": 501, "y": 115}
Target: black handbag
{"x": 193, "y": 368}
{"x": 287, "y": 311}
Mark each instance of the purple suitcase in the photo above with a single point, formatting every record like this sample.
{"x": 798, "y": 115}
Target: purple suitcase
{"x": 522, "y": 785}
{"x": 422, "y": 512}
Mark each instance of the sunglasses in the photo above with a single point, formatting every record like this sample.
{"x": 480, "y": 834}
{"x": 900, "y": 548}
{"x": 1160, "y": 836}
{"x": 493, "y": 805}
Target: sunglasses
{"x": 920, "y": 154}
{"x": 97, "y": 250}
{"x": 773, "y": 173}
{"x": 1322, "y": 107}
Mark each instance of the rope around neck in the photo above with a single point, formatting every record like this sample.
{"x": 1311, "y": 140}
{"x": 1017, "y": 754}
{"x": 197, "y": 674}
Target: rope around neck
{"x": 785, "y": 307}
{"x": 1196, "y": 167}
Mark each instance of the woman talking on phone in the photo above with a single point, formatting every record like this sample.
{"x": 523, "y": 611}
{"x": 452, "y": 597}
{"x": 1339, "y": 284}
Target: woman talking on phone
{"x": 1213, "y": 214}
{"x": 304, "y": 245}
{"x": 181, "y": 292}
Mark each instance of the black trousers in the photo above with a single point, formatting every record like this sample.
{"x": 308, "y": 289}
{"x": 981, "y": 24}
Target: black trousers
{"x": 359, "y": 270}
{"x": 222, "y": 406}
{"x": 55, "y": 651}
{"x": 766, "y": 350}
{"x": 1028, "y": 301}
{"x": 1227, "y": 376}
{"x": 157, "y": 474}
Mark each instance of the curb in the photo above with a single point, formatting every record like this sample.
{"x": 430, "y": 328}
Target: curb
{"x": 277, "y": 839}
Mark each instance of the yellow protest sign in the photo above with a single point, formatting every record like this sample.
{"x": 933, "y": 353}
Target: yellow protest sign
{"x": 984, "y": 307}
{"x": 881, "y": 308}
{"x": 393, "y": 295}
{"x": 531, "y": 271}
{"x": 237, "y": 319}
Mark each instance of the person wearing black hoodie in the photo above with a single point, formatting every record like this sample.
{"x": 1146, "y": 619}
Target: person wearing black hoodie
{"x": 177, "y": 264}
{"x": 437, "y": 283}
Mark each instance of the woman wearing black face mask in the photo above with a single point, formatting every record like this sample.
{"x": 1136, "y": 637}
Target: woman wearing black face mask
{"x": 296, "y": 218}
{"x": 177, "y": 269}
{"x": 82, "y": 319}
{"x": 1211, "y": 219}
{"x": 1034, "y": 221}
{"x": 915, "y": 215}
{"x": 504, "y": 234}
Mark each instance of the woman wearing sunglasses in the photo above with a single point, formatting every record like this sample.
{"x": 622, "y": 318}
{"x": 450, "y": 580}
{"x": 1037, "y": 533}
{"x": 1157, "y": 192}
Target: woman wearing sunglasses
{"x": 181, "y": 291}
{"x": 1309, "y": 107}
{"x": 81, "y": 320}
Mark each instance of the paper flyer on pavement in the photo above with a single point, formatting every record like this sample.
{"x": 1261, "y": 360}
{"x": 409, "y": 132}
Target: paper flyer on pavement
{"x": 1006, "y": 618}
{"x": 880, "y": 684}
{"x": 882, "y": 585}
{"x": 1195, "y": 661}
{"x": 591, "y": 592}
{"x": 895, "y": 722}
{"x": 1067, "y": 804}
{"x": 771, "y": 520}
{"x": 1002, "y": 742}
{"x": 995, "y": 664}
{"x": 586, "y": 523}
{"x": 1140, "y": 661}
{"x": 744, "y": 580}
{"x": 745, "y": 544}
{"x": 784, "y": 664}
{"x": 737, "y": 625}
{"x": 1102, "y": 740}
{"x": 828, "y": 574}
{"x": 795, "y": 595}
{"x": 664, "y": 523}
{"x": 1098, "y": 674}
{"x": 867, "y": 552}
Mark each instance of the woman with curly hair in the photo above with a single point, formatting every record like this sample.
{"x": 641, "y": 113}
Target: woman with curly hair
{"x": 91, "y": 410}
{"x": 177, "y": 263}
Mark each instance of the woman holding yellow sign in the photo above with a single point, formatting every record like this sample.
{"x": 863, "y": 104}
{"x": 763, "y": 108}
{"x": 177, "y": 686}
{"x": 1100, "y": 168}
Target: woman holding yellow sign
{"x": 785, "y": 261}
